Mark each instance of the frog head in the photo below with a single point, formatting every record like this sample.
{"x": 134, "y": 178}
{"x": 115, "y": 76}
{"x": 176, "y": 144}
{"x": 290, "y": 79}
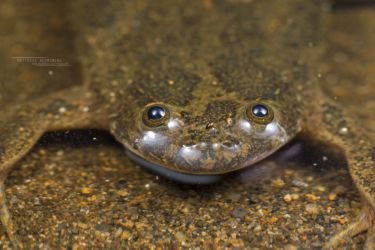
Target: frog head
{"x": 194, "y": 130}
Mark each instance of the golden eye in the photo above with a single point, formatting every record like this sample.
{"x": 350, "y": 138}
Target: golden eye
{"x": 155, "y": 115}
{"x": 260, "y": 113}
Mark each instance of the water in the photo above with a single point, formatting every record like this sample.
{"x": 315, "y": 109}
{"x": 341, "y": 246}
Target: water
{"x": 77, "y": 188}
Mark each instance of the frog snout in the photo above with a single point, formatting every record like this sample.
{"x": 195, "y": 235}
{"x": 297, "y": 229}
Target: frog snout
{"x": 209, "y": 157}
{"x": 195, "y": 151}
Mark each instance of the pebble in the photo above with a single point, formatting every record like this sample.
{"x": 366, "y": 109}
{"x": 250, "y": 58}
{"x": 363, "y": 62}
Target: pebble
{"x": 92, "y": 198}
{"x": 86, "y": 190}
{"x": 295, "y": 197}
{"x": 181, "y": 237}
{"x": 312, "y": 197}
{"x": 332, "y": 197}
{"x": 312, "y": 208}
{"x": 273, "y": 220}
{"x": 290, "y": 247}
{"x": 279, "y": 183}
{"x": 344, "y": 131}
{"x": 62, "y": 110}
{"x": 234, "y": 196}
{"x": 128, "y": 224}
{"x": 49, "y": 183}
{"x": 309, "y": 179}
{"x": 239, "y": 212}
{"x": 258, "y": 228}
{"x": 125, "y": 235}
{"x": 320, "y": 188}
{"x": 60, "y": 153}
{"x": 122, "y": 193}
{"x": 299, "y": 183}
{"x": 288, "y": 198}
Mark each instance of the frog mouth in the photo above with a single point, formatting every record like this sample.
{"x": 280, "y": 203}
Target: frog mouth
{"x": 184, "y": 178}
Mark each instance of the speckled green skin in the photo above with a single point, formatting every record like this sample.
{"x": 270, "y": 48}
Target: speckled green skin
{"x": 207, "y": 62}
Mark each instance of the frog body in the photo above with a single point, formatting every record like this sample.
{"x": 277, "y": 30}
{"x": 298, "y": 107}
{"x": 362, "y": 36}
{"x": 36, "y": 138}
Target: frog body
{"x": 194, "y": 90}
{"x": 206, "y": 75}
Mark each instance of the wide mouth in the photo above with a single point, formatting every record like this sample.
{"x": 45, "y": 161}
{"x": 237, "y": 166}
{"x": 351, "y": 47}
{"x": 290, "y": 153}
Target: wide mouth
{"x": 185, "y": 178}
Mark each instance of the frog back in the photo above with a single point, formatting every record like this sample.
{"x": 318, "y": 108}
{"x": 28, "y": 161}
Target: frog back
{"x": 193, "y": 53}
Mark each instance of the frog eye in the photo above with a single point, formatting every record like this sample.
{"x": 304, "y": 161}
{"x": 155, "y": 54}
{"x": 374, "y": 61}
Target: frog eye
{"x": 260, "y": 113}
{"x": 155, "y": 115}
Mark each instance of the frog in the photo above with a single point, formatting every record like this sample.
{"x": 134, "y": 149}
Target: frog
{"x": 195, "y": 90}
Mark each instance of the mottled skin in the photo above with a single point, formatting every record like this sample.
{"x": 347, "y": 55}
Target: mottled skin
{"x": 206, "y": 62}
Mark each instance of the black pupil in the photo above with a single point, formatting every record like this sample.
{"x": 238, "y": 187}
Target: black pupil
{"x": 260, "y": 110}
{"x": 155, "y": 113}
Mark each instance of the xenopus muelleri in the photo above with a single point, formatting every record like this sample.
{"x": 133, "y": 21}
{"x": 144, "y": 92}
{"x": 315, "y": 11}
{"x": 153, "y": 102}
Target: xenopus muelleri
{"x": 195, "y": 89}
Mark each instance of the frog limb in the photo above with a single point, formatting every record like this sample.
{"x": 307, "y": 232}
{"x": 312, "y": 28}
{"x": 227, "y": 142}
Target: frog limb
{"x": 361, "y": 224}
{"x": 22, "y": 126}
{"x": 370, "y": 242}
{"x": 328, "y": 122}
